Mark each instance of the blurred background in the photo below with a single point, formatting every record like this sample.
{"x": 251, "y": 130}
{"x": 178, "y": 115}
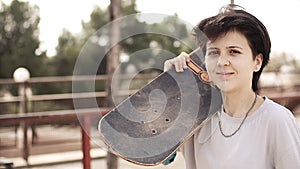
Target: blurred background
{"x": 40, "y": 42}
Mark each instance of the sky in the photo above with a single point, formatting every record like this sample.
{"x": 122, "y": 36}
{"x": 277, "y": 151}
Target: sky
{"x": 280, "y": 17}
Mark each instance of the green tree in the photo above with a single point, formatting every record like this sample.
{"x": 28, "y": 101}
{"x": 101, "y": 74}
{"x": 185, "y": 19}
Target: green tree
{"x": 157, "y": 44}
{"x": 67, "y": 50}
{"x": 70, "y": 45}
{"x": 19, "y": 41}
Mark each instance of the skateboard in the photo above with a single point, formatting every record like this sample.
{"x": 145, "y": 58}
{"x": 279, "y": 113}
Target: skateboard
{"x": 152, "y": 124}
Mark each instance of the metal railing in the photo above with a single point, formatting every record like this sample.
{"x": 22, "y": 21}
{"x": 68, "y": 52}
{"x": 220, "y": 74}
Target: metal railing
{"x": 27, "y": 118}
{"x": 290, "y": 98}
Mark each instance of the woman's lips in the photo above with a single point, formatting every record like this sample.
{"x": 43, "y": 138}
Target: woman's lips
{"x": 225, "y": 74}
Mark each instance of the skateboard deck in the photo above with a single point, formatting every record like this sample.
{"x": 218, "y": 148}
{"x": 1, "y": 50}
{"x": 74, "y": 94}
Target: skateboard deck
{"x": 153, "y": 123}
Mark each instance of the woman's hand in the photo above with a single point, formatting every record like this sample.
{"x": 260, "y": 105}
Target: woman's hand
{"x": 179, "y": 62}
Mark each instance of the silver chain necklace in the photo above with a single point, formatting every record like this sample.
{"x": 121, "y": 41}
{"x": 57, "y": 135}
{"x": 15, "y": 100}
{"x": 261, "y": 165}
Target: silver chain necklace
{"x": 220, "y": 123}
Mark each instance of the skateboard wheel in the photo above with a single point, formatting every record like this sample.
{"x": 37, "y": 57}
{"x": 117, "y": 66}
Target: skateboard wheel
{"x": 203, "y": 76}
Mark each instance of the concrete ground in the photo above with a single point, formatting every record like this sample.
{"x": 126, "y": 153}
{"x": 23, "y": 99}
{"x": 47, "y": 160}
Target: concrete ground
{"x": 71, "y": 160}
{"x": 59, "y": 162}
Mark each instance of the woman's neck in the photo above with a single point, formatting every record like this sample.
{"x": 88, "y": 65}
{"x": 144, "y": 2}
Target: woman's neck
{"x": 237, "y": 104}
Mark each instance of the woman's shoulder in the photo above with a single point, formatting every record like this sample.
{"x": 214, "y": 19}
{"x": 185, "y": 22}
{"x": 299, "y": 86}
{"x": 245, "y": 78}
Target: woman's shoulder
{"x": 284, "y": 130}
{"x": 278, "y": 116}
{"x": 275, "y": 110}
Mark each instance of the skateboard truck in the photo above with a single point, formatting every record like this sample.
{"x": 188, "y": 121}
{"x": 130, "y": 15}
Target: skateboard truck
{"x": 196, "y": 69}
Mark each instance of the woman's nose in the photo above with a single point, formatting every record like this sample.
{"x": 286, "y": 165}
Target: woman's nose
{"x": 223, "y": 61}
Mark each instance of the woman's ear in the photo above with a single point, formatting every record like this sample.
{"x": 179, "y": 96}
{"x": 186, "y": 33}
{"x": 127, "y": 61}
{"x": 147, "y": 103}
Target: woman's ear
{"x": 258, "y": 62}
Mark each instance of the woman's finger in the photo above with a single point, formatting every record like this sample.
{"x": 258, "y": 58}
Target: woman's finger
{"x": 178, "y": 62}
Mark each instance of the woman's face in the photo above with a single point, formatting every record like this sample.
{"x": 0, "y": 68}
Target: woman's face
{"x": 230, "y": 63}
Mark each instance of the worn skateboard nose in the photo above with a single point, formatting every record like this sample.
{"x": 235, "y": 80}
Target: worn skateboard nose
{"x": 154, "y": 122}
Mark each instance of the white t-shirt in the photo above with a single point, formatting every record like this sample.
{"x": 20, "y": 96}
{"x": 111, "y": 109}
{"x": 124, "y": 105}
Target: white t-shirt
{"x": 268, "y": 139}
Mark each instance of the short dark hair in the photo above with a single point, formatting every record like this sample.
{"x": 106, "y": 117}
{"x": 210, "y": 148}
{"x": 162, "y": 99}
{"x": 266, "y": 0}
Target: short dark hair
{"x": 232, "y": 19}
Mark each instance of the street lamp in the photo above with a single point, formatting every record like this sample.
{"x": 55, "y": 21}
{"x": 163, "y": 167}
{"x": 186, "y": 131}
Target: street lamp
{"x": 21, "y": 75}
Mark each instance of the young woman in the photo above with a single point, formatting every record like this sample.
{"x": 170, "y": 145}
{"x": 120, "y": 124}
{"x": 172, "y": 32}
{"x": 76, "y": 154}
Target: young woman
{"x": 249, "y": 131}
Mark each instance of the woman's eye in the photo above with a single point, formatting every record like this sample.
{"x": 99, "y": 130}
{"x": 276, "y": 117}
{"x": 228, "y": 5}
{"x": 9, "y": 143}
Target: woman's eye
{"x": 234, "y": 52}
{"x": 213, "y": 53}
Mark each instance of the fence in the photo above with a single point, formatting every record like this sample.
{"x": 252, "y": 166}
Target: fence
{"x": 27, "y": 118}
{"x": 289, "y": 98}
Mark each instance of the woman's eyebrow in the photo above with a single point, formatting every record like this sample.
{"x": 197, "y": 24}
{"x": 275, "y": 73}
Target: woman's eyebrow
{"x": 212, "y": 48}
{"x": 230, "y": 47}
